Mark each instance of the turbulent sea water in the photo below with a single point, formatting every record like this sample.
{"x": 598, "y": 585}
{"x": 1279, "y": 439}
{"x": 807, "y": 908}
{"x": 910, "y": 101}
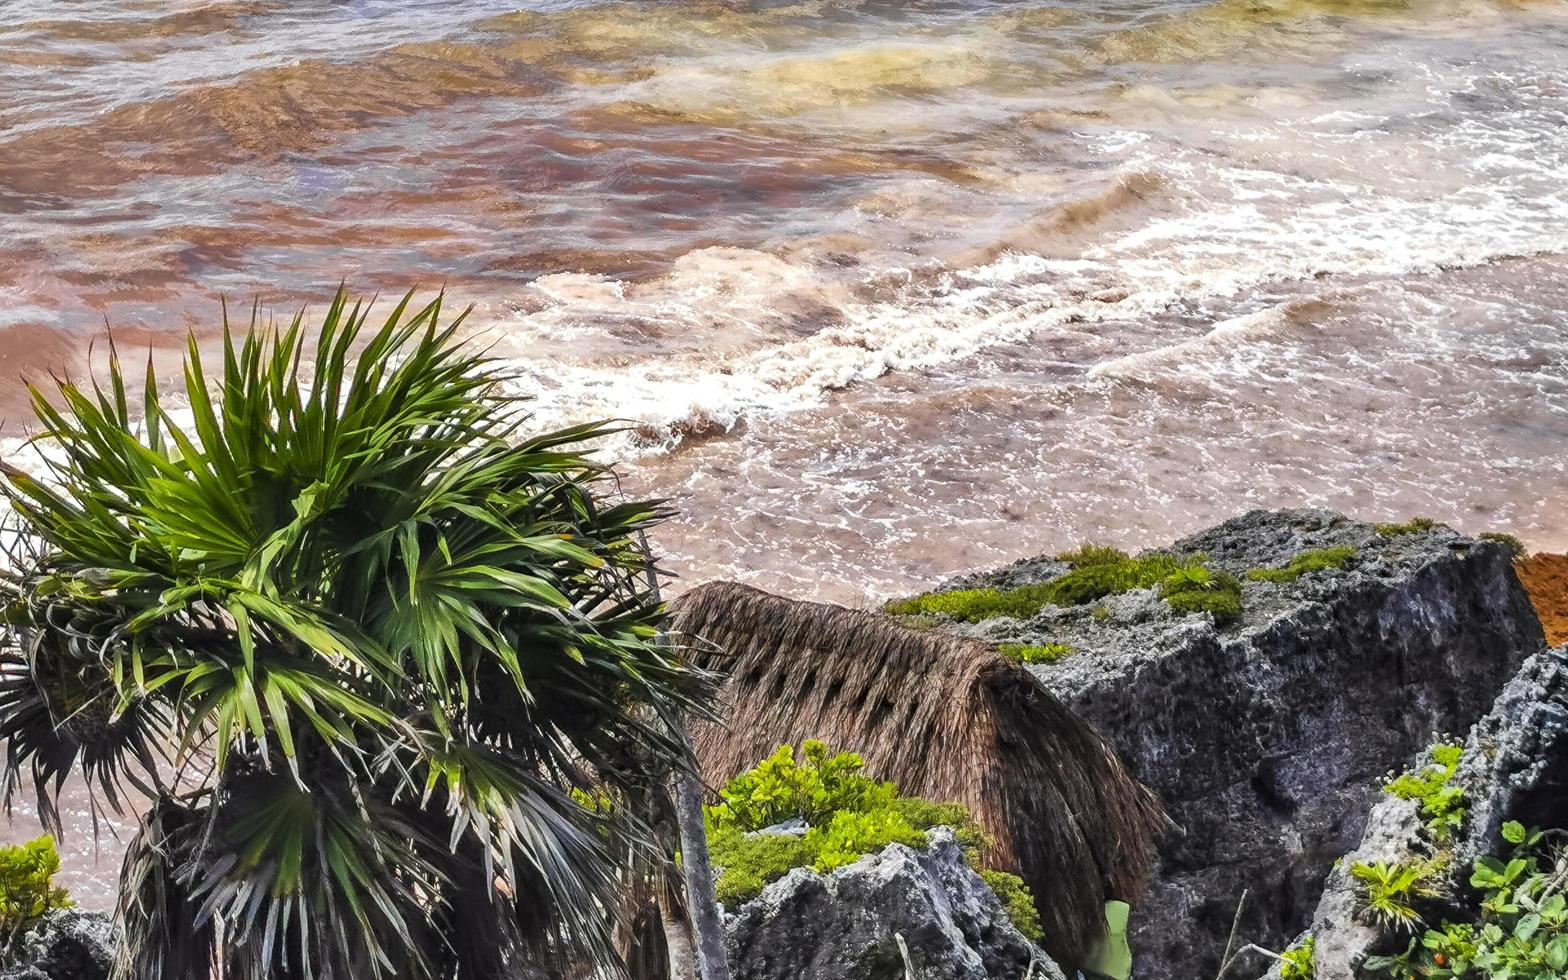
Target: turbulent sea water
{"x": 889, "y": 289}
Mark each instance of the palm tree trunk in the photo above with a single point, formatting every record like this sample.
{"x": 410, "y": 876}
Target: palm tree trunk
{"x": 712, "y": 963}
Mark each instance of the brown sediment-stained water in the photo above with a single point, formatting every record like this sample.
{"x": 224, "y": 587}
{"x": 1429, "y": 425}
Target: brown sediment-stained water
{"x": 890, "y": 290}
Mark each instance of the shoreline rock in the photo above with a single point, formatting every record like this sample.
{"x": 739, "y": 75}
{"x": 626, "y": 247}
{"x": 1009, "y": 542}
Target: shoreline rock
{"x": 921, "y": 913}
{"x": 1267, "y": 738}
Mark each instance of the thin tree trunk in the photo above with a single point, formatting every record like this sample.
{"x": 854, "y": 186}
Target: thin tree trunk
{"x": 677, "y": 939}
{"x": 706, "y": 926}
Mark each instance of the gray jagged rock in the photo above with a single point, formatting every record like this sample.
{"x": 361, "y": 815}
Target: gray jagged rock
{"x": 1515, "y": 767}
{"x": 848, "y": 923}
{"x": 66, "y": 944}
{"x": 1267, "y": 738}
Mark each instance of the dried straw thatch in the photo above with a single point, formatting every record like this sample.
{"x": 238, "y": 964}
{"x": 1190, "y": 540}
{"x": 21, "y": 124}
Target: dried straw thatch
{"x": 945, "y": 718}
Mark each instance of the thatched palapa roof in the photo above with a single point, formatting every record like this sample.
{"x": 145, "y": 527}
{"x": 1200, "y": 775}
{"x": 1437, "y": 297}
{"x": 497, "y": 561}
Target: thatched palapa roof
{"x": 945, "y": 718}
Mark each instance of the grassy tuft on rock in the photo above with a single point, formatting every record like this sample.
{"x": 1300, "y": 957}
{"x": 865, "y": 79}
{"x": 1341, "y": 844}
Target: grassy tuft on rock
{"x": 1513, "y": 544}
{"x": 1413, "y": 526}
{"x": 1314, "y": 560}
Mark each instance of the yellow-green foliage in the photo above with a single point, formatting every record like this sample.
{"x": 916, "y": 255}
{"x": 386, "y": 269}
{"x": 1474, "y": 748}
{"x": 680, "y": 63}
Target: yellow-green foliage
{"x": 1017, "y": 900}
{"x": 1514, "y": 545}
{"x": 1029, "y": 653}
{"x": 849, "y": 815}
{"x": 27, "y": 890}
{"x": 1296, "y": 962}
{"x": 1314, "y": 560}
{"x": 1096, "y": 573}
{"x": 1443, "y": 805}
{"x": 1413, "y": 526}
{"x": 1389, "y": 890}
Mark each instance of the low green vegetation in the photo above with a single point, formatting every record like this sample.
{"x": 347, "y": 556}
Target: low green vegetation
{"x": 1442, "y": 804}
{"x": 1035, "y": 653}
{"x": 845, "y": 815}
{"x": 1513, "y": 544}
{"x": 1520, "y": 927}
{"x": 1314, "y": 560}
{"x": 27, "y": 891}
{"x": 1413, "y": 526}
{"x": 1390, "y": 890}
{"x": 1296, "y": 963}
{"x": 1186, "y": 584}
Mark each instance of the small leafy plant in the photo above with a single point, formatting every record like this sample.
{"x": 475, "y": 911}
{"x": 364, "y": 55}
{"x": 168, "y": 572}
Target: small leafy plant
{"x": 1313, "y": 560}
{"x": 27, "y": 891}
{"x": 1032, "y": 653}
{"x": 1521, "y": 930}
{"x": 1413, "y": 526}
{"x": 1390, "y": 890}
{"x": 1296, "y": 963}
{"x": 846, "y": 814}
{"x": 1442, "y": 804}
{"x": 1196, "y": 589}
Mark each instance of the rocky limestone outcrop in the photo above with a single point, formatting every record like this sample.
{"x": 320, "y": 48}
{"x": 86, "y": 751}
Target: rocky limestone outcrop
{"x": 1515, "y": 767}
{"x": 900, "y": 913}
{"x": 66, "y": 944}
{"x": 1267, "y": 738}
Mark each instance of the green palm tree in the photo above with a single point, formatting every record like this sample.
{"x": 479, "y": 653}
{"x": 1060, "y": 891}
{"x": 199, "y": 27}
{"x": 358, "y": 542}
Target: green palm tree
{"x": 359, "y": 639}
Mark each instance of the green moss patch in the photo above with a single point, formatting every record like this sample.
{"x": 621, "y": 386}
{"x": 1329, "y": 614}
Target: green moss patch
{"x": 1096, "y": 573}
{"x": 1413, "y": 526}
{"x": 1315, "y": 560}
{"x": 1032, "y": 653}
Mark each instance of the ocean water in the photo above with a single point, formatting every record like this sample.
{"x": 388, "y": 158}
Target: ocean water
{"x": 887, "y": 290}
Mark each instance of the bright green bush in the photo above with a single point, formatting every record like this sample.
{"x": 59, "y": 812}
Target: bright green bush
{"x": 1314, "y": 560}
{"x": 1520, "y": 931}
{"x": 1100, "y": 573}
{"x": 1296, "y": 963}
{"x": 1514, "y": 545}
{"x": 1413, "y": 526}
{"x": 27, "y": 890}
{"x": 1086, "y": 555}
{"x": 1017, "y": 900}
{"x": 1031, "y": 653}
{"x": 1442, "y": 804}
{"x": 849, "y": 815}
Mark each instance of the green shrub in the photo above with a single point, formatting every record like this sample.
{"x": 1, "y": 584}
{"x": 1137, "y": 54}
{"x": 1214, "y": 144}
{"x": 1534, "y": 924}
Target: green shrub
{"x": 1413, "y": 526}
{"x": 1018, "y": 901}
{"x": 1389, "y": 890}
{"x": 1196, "y": 589}
{"x": 1443, "y": 805}
{"x": 1028, "y": 653}
{"x": 1296, "y": 963}
{"x": 27, "y": 890}
{"x": 849, "y": 815}
{"x": 1520, "y": 929}
{"x": 1103, "y": 573}
{"x": 1315, "y": 560}
{"x": 1100, "y": 613}
{"x": 1514, "y": 545}
{"x": 780, "y": 789}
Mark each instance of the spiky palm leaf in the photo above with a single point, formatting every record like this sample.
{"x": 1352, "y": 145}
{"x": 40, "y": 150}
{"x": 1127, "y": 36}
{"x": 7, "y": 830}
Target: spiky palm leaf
{"x": 395, "y": 632}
